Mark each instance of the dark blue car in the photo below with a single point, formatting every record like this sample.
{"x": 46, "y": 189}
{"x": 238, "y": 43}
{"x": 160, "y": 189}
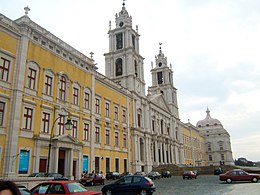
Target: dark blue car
{"x": 133, "y": 184}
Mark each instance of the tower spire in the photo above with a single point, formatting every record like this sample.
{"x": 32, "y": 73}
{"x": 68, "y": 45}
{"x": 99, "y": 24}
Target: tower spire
{"x": 160, "y": 47}
{"x": 123, "y": 4}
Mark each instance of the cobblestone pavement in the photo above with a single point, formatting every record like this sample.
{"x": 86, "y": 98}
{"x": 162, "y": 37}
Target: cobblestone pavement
{"x": 203, "y": 185}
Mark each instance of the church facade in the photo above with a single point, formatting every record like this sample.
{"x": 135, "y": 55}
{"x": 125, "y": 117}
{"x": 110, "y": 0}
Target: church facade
{"x": 155, "y": 132}
{"x": 115, "y": 126}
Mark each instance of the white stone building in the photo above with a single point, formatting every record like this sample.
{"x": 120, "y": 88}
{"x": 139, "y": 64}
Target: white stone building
{"x": 217, "y": 139}
{"x": 156, "y": 134}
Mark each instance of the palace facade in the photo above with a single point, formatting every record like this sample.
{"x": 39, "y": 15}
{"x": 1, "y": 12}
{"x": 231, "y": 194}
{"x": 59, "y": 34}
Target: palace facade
{"x": 115, "y": 126}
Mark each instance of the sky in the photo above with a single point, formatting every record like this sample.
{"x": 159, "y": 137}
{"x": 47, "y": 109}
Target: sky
{"x": 212, "y": 45}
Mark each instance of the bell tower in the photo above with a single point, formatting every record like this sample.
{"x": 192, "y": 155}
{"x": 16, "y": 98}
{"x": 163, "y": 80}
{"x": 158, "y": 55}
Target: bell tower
{"x": 123, "y": 63}
{"x": 162, "y": 82}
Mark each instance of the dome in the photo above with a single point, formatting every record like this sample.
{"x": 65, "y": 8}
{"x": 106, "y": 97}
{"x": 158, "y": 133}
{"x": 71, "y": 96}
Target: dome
{"x": 208, "y": 121}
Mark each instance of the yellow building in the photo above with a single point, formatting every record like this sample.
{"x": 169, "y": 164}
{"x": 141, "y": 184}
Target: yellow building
{"x": 44, "y": 82}
{"x": 58, "y": 114}
{"x": 193, "y": 145}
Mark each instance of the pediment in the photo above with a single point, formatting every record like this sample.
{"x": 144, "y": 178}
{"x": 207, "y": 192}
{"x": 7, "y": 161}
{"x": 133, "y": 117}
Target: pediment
{"x": 65, "y": 138}
{"x": 159, "y": 100}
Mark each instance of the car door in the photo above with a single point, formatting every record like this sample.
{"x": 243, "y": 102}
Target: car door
{"x": 123, "y": 186}
{"x": 244, "y": 176}
{"x": 136, "y": 185}
{"x": 235, "y": 176}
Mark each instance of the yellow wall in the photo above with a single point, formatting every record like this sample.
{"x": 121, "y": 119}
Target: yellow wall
{"x": 46, "y": 59}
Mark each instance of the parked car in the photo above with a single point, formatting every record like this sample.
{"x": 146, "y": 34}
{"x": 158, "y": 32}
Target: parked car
{"x": 112, "y": 175}
{"x": 126, "y": 174}
{"x": 41, "y": 174}
{"x": 189, "y": 175}
{"x": 133, "y": 184}
{"x": 92, "y": 179}
{"x": 217, "y": 171}
{"x": 154, "y": 175}
{"x": 24, "y": 190}
{"x": 238, "y": 175}
{"x": 141, "y": 173}
{"x": 196, "y": 172}
{"x": 62, "y": 187}
{"x": 166, "y": 174}
{"x": 56, "y": 176}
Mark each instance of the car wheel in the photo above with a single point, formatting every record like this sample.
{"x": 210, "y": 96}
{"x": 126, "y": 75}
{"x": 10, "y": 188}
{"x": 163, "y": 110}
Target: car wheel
{"x": 143, "y": 192}
{"x": 254, "y": 179}
{"x": 108, "y": 192}
{"x": 229, "y": 180}
{"x": 183, "y": 177}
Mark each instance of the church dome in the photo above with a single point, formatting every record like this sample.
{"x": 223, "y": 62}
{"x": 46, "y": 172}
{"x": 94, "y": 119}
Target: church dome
{"x": 208, "y": 121}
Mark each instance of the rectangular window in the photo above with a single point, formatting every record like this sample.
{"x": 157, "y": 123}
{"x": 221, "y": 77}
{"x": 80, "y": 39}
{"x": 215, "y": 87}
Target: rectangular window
{"x": 48, "y": 85}
{"x": 75, "y": 96}
{"x": 117, "y": 164}
{"x": 61, "y": 123}
{"x": 107, "y": 137}
{"x": 221, "y": 146}
{"x": 86, "y": 132}
{"x": 31, "y": 78}
{"x": 74, "y": 128}
{"x": 86, "y": 100}
{"x": 153, "y": 125}
{"x": 97, "y": 135}
{"x": 107, "y": 109}
{"x": 125, "y": 165}
{"x": 210, "y": 158}
{"x": 2, "y": 111}
{"x": 209, "y": 147}
{"x": 124, "y": 140}
{"x": 97, "y": 105}
{"x": 28, "y": 114}
{"x": 46, "y": 122}
{"x": 116, "y": 113}
{"x": 116, "y": 139}
{"x": 222, "y": 157}
{"x": 139, "y": 120}
{"x": 62, "y": 89}
{"x": 124, "y": 115}
{"x": 107, "y": 165}
{"x": 4, "y": 69}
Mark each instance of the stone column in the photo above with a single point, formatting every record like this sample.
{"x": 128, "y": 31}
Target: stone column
{"x": 70, "y": 164}
{"x": 55, "y": 159}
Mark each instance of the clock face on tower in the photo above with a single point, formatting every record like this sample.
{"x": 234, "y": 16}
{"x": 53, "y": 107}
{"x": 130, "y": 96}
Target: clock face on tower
{"x": 121, "y": 24}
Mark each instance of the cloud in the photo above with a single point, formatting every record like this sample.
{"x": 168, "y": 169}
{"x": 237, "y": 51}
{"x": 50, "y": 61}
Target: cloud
{"x": 252, "y": 147}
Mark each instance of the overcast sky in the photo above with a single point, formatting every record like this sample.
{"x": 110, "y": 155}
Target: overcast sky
{"x": 213, "y": 46}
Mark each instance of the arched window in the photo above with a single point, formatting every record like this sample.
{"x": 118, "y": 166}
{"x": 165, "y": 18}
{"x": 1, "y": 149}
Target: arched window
{"x": 119, "y": 67}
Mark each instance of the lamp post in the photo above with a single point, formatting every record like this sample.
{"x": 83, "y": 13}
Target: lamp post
{"x": 67, "y": 125}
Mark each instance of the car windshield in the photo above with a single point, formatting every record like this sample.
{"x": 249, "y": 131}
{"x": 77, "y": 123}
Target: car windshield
{"x": 75, "y": 188}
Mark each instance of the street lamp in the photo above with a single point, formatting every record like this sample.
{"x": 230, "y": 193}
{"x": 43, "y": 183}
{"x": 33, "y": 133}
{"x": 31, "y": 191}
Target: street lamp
{"x": 67, "y": 125}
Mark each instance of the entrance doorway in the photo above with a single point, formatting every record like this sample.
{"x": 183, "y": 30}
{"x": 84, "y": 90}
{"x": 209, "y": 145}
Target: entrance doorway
{"x": 61, "y": 162}
{"x": 43, "y": 165}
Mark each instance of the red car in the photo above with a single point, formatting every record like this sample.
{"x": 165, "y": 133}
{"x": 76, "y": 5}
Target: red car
{"x": 92, "y": 179}
{"x": 62, "y": 187}
{"x": 189, "y": 175}
{"x": 238, "y": 175}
